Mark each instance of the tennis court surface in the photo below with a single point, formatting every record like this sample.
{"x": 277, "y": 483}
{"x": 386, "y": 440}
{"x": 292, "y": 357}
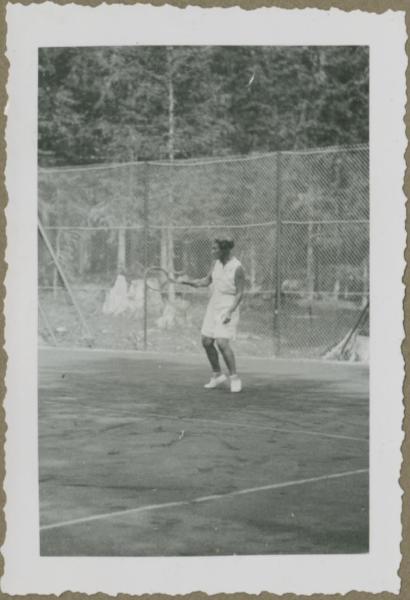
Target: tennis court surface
{"x": 137, "y": 459}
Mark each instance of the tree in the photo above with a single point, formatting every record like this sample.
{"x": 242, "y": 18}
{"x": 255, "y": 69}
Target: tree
{"x": 112, "y": 104}
{"x": 133, "y": 104}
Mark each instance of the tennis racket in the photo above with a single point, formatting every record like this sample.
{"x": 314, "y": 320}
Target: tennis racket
{"x": 174, "y": 279}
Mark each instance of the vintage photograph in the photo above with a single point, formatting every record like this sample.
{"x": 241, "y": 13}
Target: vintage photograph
{"x": 203, "y": 298}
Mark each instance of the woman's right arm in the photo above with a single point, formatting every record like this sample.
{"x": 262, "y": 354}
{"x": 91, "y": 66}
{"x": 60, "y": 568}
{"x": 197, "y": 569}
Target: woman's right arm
{"x": 204, "y": 282}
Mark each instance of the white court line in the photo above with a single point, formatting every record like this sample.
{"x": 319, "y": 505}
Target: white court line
{"x": 151, "y": 507}
{"x": 262, "y": 427}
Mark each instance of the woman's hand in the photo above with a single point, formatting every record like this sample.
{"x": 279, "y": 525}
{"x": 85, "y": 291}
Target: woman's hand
{"x": 227, "y": 317}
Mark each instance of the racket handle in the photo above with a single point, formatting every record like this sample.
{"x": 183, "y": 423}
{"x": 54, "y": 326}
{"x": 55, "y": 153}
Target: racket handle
{"x": 190, "y": 283}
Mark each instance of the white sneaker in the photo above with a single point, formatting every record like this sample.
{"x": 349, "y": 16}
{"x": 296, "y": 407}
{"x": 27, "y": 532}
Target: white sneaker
{"x": 215, "y": 381}
{"x": 236, "y": 384}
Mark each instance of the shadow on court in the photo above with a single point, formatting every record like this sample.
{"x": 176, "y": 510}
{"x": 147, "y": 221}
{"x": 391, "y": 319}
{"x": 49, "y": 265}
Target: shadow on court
{"x": 137, "y": 459}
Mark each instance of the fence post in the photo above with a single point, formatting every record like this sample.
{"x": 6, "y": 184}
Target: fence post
{"x": 278, "y": 275}
{"x": 146, "y": 254}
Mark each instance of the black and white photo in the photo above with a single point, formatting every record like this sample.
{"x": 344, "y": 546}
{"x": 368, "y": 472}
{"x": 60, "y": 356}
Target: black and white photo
{"x": 211, "y": 334}
{"x": 165, "y": 171}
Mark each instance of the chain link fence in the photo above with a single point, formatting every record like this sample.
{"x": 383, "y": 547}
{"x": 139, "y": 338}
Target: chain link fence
{"x": 300, "y": 221}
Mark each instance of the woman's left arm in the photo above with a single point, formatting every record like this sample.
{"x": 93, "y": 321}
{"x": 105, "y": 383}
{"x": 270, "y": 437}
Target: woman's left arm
{"x": 240, "y": 288}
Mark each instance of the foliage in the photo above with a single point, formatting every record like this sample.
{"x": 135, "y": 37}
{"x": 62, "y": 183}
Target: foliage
{"x": 111, "y": 104}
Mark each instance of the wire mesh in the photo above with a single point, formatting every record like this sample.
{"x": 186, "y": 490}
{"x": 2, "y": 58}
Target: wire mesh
{"x": 300, "y": 221}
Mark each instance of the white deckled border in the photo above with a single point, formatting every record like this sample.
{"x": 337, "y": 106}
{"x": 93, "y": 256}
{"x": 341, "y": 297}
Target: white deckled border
{"x": 51, "y": 25}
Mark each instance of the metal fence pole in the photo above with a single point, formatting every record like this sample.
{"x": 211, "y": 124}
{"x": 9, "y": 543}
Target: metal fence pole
{"x": 278, "y": 276}
{"x": 146, "y": 253}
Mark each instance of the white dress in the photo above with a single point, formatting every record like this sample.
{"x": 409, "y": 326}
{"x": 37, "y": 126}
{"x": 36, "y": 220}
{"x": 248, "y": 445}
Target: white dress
{"x": 223, "y": 295}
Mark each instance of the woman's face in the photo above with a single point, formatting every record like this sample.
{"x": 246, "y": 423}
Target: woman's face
{"x": 216, "y": 251}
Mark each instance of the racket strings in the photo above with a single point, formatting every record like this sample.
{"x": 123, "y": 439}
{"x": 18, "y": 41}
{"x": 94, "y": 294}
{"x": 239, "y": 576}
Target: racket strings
{"x": 168, "y": 280}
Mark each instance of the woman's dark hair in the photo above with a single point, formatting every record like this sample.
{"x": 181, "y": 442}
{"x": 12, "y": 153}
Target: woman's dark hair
{"x": 225, "y": 244}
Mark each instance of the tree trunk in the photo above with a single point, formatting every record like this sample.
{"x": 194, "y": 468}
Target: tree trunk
{"x": 121, "y": 252}
{"x": 336, "y": 286}
{"x": 84, "y": 259}
{"x": 164, "y": 249}
{"x": 134, "y": 258}
{"x": 171, "y": 155}
{"x": 170, "y": 248}
{"x": 171, "y": 106}
{"x": 167, "y": 258}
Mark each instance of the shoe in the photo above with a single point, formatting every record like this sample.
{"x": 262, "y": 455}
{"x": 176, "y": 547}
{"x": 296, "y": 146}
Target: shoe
{"x": 236, "y": 385}
{"x": 215, "y": 381}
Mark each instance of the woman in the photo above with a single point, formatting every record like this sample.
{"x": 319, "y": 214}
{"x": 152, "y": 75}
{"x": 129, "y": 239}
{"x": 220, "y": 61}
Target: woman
{"x": 222, "y": 314}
